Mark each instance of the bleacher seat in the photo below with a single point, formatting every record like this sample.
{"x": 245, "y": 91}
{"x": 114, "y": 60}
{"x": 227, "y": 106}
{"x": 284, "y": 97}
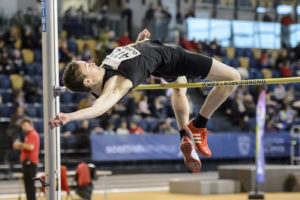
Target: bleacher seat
{"x": 17, "y": 81}
{"x": 5, "y": 82}
{"x": 239, "y": 52}
{"x": 39, "y": 126}
{"x": 78, "y": 96}
{"x": 40, "y": 111}
{"x": 38, "y": 56}
{"x": 31, "y": 111}
{"x": 267, "y": 73}
{"x": 72, "y": 46}
{"x": 70, "y": 126}
{"x": 276, "y": 73}
{"x": 7, "y": 97}
{"x": 28, "y": 55}
{"x": 244, "y": 62}
{"x": 66, "y": 97}
{"x": 6, "y": 111}
{"x": 80, "y": 44}
{"x": 38, "y": 80}
{"x": 66, "y": 109}
{"x": 256, "y": 53}
{"x": 230, "y": 52}
{"x": 18, "y": 44}
{"x": 234, "y": 62}
{"x": 248, "y": 53}
{"x": 29, "y": 69}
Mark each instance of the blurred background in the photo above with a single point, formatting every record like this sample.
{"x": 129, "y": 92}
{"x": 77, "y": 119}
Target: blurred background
{"x": 261, "y": 38}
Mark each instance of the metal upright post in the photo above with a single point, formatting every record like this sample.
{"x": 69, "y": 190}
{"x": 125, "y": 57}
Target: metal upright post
{"x": 50, "y": 101}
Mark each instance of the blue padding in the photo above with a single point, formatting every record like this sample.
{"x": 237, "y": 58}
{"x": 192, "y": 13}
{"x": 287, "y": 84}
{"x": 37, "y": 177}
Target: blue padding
{"x": 166, "y": 146}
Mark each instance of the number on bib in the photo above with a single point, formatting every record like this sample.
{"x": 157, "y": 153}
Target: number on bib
{"x": 120, "y": 54}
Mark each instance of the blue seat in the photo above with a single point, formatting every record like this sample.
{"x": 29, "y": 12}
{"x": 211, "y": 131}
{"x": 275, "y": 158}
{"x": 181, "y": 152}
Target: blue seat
{"x": 7, "y": 97}
{"x": 234, "y": 62}
{"x": 248, "y": 53}
{"x": 39, "y": 126}
{"x": 28, "y": 69}
{"x": 40, "y": 111}
{"x": 66, "y": 97}
{"x": 31, "y": 111}
{"x": 239, "y": 52}
{"x": 38, "y": 56}
{"x": 70, "y": 126}
{"x": 72, "y": 46}
{"x": 77, "y": 97}
{"x": 38, "y": 68}
{"x": 6, "y": 111}
{"x": 276, "y": 73}
{"x": 5, "y": 82}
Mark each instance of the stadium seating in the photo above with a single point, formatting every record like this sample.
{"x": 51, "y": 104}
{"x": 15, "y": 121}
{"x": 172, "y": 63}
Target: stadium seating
{"x": 28, "y": 55}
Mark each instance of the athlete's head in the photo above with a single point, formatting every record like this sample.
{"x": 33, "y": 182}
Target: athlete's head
{"x": 79, "y": 76}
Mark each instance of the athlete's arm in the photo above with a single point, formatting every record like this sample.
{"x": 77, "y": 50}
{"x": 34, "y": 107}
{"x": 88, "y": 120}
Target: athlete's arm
{"x": 115, "y": 88}
{"x": 143, "y": 35}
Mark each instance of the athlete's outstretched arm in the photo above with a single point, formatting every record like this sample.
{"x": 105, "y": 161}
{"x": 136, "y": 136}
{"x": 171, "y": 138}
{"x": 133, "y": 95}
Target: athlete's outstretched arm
{"x": 114, "y": 89}
{"x": 143, "y": 35}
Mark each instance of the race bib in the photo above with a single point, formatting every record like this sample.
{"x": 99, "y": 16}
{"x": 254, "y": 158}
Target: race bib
{"x": 120, "y": 54}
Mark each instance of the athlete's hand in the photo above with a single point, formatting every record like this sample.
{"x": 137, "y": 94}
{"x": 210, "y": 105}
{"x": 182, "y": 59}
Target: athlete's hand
{"x": 143, "y": 35}
{"x": 59, "y": 120}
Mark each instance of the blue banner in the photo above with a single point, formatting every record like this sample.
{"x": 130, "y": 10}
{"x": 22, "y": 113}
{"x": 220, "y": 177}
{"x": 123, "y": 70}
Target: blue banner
{"x": 260, "y": 126}
{"x": 166, "y": 146}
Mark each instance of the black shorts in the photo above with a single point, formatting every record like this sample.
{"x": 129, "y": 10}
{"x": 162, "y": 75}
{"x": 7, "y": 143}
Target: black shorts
{"x": 182, "y": 62}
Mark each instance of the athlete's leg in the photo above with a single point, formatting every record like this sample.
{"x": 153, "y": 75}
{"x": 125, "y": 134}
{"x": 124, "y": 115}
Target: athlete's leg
{"x": 218, "y": 72}
{"x": 197, "y": 127}
{"x": 180, "y": 104}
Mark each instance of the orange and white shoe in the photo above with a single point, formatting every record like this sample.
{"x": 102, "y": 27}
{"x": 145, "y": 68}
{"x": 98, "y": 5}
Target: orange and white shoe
{"x": 199, "y": 139}
{"x": 191, "y": 159}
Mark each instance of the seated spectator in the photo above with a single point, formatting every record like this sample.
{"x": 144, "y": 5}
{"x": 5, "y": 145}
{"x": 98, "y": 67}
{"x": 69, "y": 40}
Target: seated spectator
{"x": 130, "y": 107}
{"x": 19, "y": 99}
{"x": 165, "y": 127}
{"x": 285, "y": 118}
{"x": 124, "y": 39}
{"x": 135, "y": 129}
{"x": 31, "y": 90}
{"x": 279, "y": 93}
{"x": 109, "y": 129}
{"x": 143, "y": 109}
{"x": 17, "y": 62}
{"x": 10, "y": 37}
{"x": 28, "y": 40}
{"x": 285, "y": 70}
{"x": 65, "y": 55}
{"x": 86, "y": 53}
{"x": 280, "y": 59}
{"x": 157, "y": 108}
{"x": 238, "y": 111}
{"x": 266, "y": 60}
{"x": 96, "y": 130}
{"x": 6, "y": 63}
{"x": 122, "y": 130}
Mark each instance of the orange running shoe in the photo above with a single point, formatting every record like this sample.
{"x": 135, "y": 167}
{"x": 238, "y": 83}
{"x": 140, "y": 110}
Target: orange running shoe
{"x": 198, "y": 136}
{"x": 191, "y": 159}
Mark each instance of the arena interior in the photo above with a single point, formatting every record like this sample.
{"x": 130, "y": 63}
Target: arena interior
{"x": 132, "y": 151}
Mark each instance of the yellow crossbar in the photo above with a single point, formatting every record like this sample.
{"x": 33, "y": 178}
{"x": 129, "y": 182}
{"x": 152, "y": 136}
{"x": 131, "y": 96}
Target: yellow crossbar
{"x": 218, "y": 83}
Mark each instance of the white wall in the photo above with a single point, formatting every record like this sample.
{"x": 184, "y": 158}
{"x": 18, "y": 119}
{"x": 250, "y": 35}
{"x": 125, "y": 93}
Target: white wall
{"x": 8, "y": 7}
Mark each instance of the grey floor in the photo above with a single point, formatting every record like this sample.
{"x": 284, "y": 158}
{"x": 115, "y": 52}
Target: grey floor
{"x": 117, "y": 183}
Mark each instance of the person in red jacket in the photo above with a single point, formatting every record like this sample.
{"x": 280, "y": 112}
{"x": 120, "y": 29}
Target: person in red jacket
{"x": 286, "y": 21}
{"x": 29, "y": 155}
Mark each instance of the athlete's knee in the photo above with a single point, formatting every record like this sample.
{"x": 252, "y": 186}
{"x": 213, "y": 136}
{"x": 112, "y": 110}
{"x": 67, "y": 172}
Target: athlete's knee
{"x": 179, "y": 91}
{"x": 235, "y": 75}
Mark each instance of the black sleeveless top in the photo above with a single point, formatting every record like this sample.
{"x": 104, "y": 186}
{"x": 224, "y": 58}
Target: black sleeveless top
{"x": 156, "y": 58}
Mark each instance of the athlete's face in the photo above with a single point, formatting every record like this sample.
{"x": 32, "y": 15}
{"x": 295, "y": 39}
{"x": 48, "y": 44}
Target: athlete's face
{"x": 87, "y": 69}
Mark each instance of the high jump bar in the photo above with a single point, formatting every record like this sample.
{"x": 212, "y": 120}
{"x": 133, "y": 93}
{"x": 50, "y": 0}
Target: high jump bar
{"x": 219, "y": 83}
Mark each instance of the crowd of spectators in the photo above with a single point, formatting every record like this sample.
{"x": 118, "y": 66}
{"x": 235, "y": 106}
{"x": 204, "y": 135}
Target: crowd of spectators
{"x": 128, "y": 116}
